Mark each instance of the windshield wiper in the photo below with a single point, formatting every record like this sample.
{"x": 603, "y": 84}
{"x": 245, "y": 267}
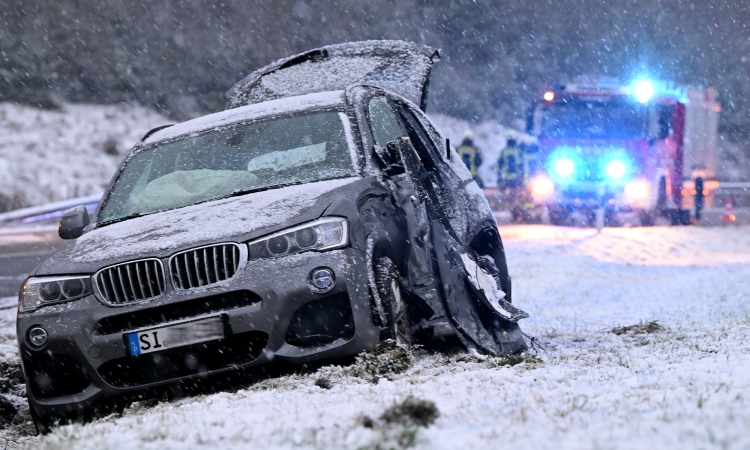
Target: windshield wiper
{"x": 240, "y": 192}
{"x": 132, "y": 215}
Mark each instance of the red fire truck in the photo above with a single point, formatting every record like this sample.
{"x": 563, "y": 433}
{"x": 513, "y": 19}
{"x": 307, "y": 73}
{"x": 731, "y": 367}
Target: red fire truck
{"x": 639, "y": 149}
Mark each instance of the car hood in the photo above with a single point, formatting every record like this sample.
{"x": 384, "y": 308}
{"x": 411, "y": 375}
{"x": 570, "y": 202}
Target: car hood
{"x": 399, "y": 66}
{"x": 162, "y": 234}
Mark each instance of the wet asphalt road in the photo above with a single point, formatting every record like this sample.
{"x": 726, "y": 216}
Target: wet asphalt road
{"x": 21, "y": 250}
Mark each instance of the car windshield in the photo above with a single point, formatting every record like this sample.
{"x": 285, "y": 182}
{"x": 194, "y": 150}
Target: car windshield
{"x": 231, "y": 161}
{"x": 596, "y": 120}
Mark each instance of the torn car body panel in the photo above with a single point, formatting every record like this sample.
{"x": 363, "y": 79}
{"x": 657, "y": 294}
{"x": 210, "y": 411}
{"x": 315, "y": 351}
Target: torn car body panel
{"x": 480, "y": 316}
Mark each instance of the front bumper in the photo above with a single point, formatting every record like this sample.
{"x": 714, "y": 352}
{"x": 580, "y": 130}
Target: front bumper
{"x": 267, "y": 309}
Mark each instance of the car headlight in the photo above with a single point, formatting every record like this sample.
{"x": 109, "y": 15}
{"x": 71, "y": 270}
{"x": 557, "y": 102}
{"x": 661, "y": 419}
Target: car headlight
{"x": 38, "y": 292}
{"x": 323, "y": 234}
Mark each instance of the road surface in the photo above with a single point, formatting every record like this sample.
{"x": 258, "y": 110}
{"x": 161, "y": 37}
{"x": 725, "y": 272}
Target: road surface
{"x": 21, "y": 249}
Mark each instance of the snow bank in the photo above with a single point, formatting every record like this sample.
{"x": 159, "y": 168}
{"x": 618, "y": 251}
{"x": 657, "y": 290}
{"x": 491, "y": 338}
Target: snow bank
{"x": 47, "y": 155}
{"x": 656, "y": 246}
{"x": 685, "y": 387}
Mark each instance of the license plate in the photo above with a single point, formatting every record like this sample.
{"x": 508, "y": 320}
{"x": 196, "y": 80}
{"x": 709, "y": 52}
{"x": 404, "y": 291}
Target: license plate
{"x": 178, "y": 335}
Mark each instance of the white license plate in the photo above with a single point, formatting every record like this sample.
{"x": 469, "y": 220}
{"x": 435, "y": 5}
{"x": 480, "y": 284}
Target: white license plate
{"x": 177, "y": 335}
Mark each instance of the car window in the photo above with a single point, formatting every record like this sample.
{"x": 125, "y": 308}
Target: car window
{"x": 437, "y": 139}
{"x": 422, "y": 143}
{"x": 454, "y": 162}
{"x": 230, "y": 161}
{"x": 383, "y": 122}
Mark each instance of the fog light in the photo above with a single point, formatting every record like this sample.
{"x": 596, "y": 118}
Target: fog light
{"x": 38, "y": 337}
{"x": 322, "y": 280}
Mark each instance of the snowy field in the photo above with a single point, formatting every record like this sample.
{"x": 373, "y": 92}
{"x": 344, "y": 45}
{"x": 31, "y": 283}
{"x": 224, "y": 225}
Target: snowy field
{"x": 680, "y": 382}
{"x": 48, "y": 156}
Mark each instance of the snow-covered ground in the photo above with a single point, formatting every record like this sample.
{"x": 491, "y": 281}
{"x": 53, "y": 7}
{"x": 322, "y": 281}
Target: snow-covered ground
{"x": 47, "y": 156}
{"x": 684, "y": 385}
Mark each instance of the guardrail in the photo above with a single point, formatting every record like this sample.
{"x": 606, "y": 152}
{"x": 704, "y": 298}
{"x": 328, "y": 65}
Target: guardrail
{"x": 48, "y": 211}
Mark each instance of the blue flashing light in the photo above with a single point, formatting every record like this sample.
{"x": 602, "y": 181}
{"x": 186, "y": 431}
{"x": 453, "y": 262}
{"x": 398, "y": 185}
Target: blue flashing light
{"x": 616, "y": 169}
{"x": 643, "y": 90}
{"x": 616, "y": 166}
{"x": 565, "y": 167}
{"x": 564, "y": 164}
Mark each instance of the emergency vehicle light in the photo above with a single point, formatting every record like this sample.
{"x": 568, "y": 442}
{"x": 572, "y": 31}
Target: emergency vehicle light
{"x": 616, "y": 169}
{"x": 565, "y": 167}
{"x": 644, "y": 90}
{"x": 637, "y": 190}
{"x": 542, "y": 187}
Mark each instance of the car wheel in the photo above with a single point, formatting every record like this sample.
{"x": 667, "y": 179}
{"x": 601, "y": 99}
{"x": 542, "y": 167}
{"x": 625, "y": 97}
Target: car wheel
{"x": 388, "y": 281}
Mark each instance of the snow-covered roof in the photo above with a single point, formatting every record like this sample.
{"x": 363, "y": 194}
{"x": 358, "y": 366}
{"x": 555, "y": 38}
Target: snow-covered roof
{"x": 399, "y": 66}
{"x": 255, "y": 111}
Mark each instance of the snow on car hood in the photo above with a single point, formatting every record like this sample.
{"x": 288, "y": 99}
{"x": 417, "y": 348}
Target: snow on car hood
{"x": 164, "y": 233}
{"x": 399, "y": 66}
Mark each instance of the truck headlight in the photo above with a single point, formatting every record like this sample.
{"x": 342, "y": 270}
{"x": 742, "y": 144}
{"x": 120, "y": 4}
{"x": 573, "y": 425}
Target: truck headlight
{"x": 542, "y": 187}
{"x": 38, "y": 292}
{"x": 323, "y": 234}
{"x": 637, "y": 190}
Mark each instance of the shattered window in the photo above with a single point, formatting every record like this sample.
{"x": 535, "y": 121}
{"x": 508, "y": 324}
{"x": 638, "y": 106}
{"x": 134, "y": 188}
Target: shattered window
{"x": 384, "y": 125}
{"x": 231, "y": 161}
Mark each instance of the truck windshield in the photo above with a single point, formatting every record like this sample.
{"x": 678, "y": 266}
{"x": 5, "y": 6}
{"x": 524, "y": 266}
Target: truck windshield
{"x": 596, "y": 120}
{"x": 233, "y": 160}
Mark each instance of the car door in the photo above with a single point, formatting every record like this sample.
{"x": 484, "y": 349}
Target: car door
{"x": 389, "y": 134}
{"x": 427, "y": 194}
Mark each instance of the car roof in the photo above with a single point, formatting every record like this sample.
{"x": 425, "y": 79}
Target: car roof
{"x": 320, "y": 100}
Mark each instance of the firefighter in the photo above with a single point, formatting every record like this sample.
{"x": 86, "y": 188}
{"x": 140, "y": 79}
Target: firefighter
{"x": 512, "y": 179}
{"x": 511, "y": 166}
{"x": 471, "y": 156}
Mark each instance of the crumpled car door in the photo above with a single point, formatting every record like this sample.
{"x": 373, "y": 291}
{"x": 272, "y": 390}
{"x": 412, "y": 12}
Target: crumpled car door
{"x": 472, "y": 298}
{"x": 398, "y": 66}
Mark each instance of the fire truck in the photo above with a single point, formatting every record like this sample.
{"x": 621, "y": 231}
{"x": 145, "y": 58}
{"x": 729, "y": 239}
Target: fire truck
{"x": 645, "y": 149}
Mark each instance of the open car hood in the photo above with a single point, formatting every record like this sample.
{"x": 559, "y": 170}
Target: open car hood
{"x": 398, "y": 66}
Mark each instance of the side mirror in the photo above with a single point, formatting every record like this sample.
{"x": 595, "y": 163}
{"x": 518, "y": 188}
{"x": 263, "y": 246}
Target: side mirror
{"x": 391, "y": 158}
{"x": 73, "y": 223}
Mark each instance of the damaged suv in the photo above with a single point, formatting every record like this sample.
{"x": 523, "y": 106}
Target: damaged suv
{"x": 319, "y": 214}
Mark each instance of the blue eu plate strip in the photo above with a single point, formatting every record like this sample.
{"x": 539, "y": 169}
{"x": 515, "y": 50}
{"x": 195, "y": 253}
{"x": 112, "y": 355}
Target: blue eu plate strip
{"x": 135, "y": 347}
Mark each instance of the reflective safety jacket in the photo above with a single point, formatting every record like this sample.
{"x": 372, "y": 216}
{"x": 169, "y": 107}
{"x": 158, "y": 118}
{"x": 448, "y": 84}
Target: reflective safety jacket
{"x": 471, "y": 157}
{"x": 511, "y": 164}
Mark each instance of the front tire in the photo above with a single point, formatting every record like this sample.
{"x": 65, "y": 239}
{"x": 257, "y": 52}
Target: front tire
{"x": 388, "y": 281}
